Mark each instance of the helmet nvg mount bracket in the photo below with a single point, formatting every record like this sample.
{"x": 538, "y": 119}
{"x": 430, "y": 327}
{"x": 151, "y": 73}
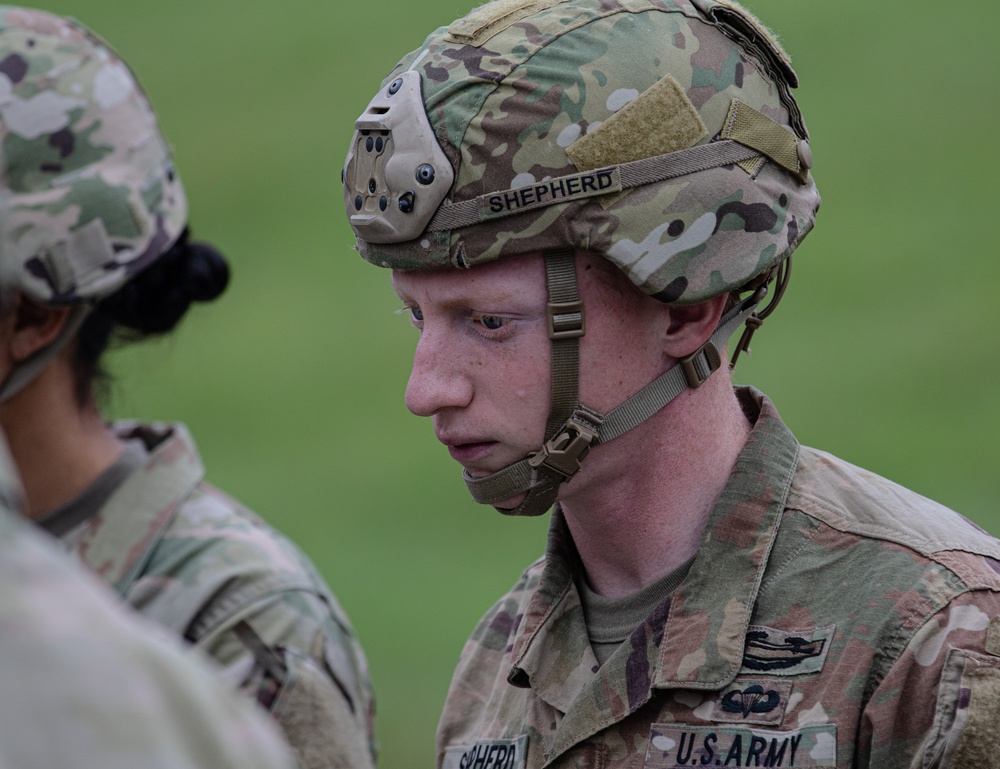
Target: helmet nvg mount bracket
{"x": 395, "y": 156}
{"x": 662, "y": 136}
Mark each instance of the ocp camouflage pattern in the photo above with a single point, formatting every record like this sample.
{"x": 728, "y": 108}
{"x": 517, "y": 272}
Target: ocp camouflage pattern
{"x": 191, "y": 559}
{"x": 90, "y": 685}
{"x": 830, "y": 618}
{"x": 507, "y": 108}
{"x": 89, "y": 192}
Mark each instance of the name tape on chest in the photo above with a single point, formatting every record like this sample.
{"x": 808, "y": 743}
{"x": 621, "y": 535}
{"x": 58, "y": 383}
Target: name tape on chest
{"x": 488, "y": 754}
{"x": 673, "y": 746}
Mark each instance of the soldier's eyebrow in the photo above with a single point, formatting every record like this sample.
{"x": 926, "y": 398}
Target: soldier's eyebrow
{"x": 465, "y": 298}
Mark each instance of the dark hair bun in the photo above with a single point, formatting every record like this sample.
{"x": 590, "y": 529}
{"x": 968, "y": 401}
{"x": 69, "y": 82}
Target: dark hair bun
{"x": 156, "y": 299}
{"x": 153, "y": 302}
{"x": 208, "y": 272}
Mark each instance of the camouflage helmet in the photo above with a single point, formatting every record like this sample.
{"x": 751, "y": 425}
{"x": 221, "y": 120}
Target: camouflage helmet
{"x": 89, "y": 195}
{"x": 546, "y": 116}
{"x": 659, "y": 134}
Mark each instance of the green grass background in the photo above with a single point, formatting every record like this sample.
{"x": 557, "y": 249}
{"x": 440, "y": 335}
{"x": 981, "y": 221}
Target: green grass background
{"x": 884, "y": 351}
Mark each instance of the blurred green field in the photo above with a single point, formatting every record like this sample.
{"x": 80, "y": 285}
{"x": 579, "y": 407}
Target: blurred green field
{"x": 883, "y": 351}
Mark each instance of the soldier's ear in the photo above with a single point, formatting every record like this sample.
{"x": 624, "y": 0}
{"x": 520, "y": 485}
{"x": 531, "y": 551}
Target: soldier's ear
{"x": 690, "y": 326}
{"x": 32, "y": 327}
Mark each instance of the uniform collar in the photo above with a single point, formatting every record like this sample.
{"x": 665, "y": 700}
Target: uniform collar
{"x": 702, "y": 646}
{"x": 694, "y": 641}
{"x": 118, "y": 541}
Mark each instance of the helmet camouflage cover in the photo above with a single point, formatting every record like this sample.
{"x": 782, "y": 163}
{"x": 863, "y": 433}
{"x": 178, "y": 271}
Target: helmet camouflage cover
{"x": 661, "y": 134}
{"x": 89, "y": 193}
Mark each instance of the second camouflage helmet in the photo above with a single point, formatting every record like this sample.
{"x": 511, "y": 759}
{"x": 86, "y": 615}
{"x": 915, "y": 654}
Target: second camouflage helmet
{"x": 88, "y": 192}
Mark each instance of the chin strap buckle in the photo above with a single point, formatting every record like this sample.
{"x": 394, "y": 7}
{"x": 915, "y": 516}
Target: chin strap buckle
{"x": 701, "y": 364}
{"x": 563, "y": 452}
{"x": 565, "y": 319}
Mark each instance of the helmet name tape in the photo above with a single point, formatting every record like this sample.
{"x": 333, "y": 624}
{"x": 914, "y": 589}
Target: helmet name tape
{"x": 396, "y": 173}
{"x": 635, "y": 174}
{"x": 560, "y": 190}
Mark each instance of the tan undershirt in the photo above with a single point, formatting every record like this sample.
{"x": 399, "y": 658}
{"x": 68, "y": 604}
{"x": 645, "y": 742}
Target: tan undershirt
{"x": 611, "y": 620}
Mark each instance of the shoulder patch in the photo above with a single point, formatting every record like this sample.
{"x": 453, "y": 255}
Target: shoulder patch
{"x": 488, "y": 754}
{"x": 672, "y": 746}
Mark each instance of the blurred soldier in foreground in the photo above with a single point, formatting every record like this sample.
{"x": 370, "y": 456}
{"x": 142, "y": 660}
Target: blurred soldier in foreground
{"x": 83, "y": 685}
{"x": 581, "y": 201}
{"x": 95, "y": 234}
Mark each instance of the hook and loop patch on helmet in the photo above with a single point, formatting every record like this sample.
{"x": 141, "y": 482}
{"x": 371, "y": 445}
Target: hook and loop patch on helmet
{"x": 396, "y": 174}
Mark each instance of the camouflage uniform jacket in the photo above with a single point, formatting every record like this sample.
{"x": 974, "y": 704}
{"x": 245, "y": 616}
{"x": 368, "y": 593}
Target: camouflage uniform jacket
{"x": 85, "y": 684}
{"x": 193, "y": 560}
{"x": 830, "y": 618}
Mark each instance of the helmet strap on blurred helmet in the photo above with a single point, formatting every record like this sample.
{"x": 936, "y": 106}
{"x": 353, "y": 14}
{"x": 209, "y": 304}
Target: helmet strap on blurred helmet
{"x": 24, "y": 372}
{"x": 574, "y": 428}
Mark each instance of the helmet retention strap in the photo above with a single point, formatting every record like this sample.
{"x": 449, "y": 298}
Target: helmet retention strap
{"x": 23, "y": 373}
{"x": 564, "y": 315}
{"x": 577, "y": 428}
{"x": 572, "y": 428}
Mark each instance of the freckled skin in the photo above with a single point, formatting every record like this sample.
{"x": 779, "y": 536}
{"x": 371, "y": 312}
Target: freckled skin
{"x": 493, "y": 386}
{"x": 465, "y": 374}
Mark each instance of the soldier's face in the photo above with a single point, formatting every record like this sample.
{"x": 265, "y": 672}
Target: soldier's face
{"x": 482, "y": 366}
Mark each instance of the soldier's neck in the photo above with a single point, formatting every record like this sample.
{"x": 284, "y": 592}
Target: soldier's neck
{"x": 641, "y": 509}
{"x": 58, "y": 446}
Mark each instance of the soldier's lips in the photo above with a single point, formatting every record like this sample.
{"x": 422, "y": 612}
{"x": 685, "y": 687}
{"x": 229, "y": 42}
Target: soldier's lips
{"x": 466, "y": 453}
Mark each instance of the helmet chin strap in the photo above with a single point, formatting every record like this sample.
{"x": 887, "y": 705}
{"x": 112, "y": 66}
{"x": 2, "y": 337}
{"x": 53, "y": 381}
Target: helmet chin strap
{"x": 24, "y": 372}
{"x": 574, "y": 428}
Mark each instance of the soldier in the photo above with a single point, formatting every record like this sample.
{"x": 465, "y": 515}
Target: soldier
{"x": 85, "y": 685}
{"x": 95, "y": 233}
{"x": 581, "y": 201}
